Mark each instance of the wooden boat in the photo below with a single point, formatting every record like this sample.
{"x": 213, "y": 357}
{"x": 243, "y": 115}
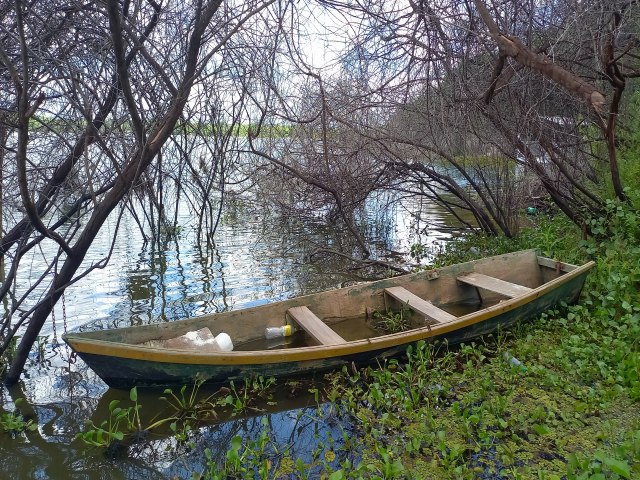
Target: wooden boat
{"x": 333, "y": 328}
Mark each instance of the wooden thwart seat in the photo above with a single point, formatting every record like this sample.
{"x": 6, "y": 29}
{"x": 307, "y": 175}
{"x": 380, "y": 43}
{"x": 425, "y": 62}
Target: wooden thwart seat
{"x": 315, "y": 327}
{"x": 419, "y": 305}
{"x": 496, "y": 285}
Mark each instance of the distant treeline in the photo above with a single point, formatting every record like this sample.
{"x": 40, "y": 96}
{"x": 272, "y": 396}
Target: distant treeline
{"x": 61, "y": 125}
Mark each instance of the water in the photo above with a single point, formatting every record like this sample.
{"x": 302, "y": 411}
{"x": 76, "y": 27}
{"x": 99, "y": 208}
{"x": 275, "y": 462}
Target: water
{"x": 259, "y": 256}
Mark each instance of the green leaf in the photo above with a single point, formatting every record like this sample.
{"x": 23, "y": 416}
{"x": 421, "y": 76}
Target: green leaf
{"x": 337, "y": 475}
{"x": 236, "y": 443}
{"x": 541, "y": 429}
{"x": 620, "y": 467}
{"x": 133, "y": 394}
{"x": 113, "y": 404}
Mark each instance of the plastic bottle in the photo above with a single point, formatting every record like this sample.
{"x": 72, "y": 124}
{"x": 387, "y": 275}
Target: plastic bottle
{"x": 514, "y": 361}
{"x": 223, "y": 340}
{"x": 277, "y": 332}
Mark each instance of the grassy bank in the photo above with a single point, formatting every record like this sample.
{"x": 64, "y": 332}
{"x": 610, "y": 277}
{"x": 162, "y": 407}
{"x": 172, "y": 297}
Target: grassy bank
{"x": 567, "y": 408}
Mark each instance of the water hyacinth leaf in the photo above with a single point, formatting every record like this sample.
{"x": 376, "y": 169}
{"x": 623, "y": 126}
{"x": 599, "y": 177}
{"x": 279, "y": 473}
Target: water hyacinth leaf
{"x": 133, "y": 394}
{"x": 337, "y": 475}
{"x": 619, "y": 467}
{"x": 541, "y": 429}
{"x": 236, "y": 443}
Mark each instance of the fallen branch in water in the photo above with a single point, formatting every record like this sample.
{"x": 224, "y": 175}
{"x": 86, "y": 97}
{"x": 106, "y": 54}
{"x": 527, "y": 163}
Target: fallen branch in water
{"x": 361, "y": 263}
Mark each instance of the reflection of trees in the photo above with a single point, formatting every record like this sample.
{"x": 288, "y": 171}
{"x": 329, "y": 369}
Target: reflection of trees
{"x": 297, "y": 432}
{"x": 290, "y": 425}
{"x": 212, "y": 273}
{"x": 53, "y": 452}
{"x": 259, "y": 255}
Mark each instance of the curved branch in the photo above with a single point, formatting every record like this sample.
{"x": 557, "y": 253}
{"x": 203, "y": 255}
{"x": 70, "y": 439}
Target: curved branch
{"x": 511, "y": 46}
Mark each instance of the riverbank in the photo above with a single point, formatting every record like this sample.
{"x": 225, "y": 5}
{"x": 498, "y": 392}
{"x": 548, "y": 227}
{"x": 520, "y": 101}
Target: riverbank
{"x": 553, "y": 398}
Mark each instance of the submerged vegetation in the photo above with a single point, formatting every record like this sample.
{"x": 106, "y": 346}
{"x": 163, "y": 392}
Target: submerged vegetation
{"x": 392, "y": 321}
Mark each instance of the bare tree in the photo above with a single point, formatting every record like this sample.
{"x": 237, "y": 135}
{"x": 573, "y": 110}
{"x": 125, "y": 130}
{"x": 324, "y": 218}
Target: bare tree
{"x": 478, "y": 85}
{"x": 95, "y": 93}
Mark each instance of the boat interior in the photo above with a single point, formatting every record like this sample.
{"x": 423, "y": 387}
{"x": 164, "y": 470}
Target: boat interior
{"x": 395, "y": 298}
{"x": 487, "y": 291}
{"x": 334, "y": 317}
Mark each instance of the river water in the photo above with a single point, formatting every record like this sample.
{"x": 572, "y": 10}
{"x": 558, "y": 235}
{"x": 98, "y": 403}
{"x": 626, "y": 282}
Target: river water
{"x": 259, "y": 255}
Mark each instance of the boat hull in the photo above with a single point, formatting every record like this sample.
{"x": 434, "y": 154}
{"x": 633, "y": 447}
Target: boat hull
{"x": 124, "y": 368}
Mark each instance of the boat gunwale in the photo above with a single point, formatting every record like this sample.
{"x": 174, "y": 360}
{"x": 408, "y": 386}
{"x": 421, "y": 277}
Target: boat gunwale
{"x": 93, "y": 346}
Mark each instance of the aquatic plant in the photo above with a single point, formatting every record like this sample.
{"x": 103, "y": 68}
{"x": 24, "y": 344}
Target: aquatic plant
{"x": 122, "y": 422}
{"x": 190, "y": 405}
{"x": 109, "y": 430}
{"x": 603, "y": 465}
{"x": 245, "y": 396}
{"x": 263, "y": 458}
{"x": 14, "y": 422}
{"x": 253, "y": 460}
{"x": 392, "y": 321}
{"x": 187, "y": 409}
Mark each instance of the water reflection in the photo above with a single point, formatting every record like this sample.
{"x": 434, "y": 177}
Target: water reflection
{"x": 247, "y": 265}
{"x": 295, "y": 426}
{"x": 296, "y": 433}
